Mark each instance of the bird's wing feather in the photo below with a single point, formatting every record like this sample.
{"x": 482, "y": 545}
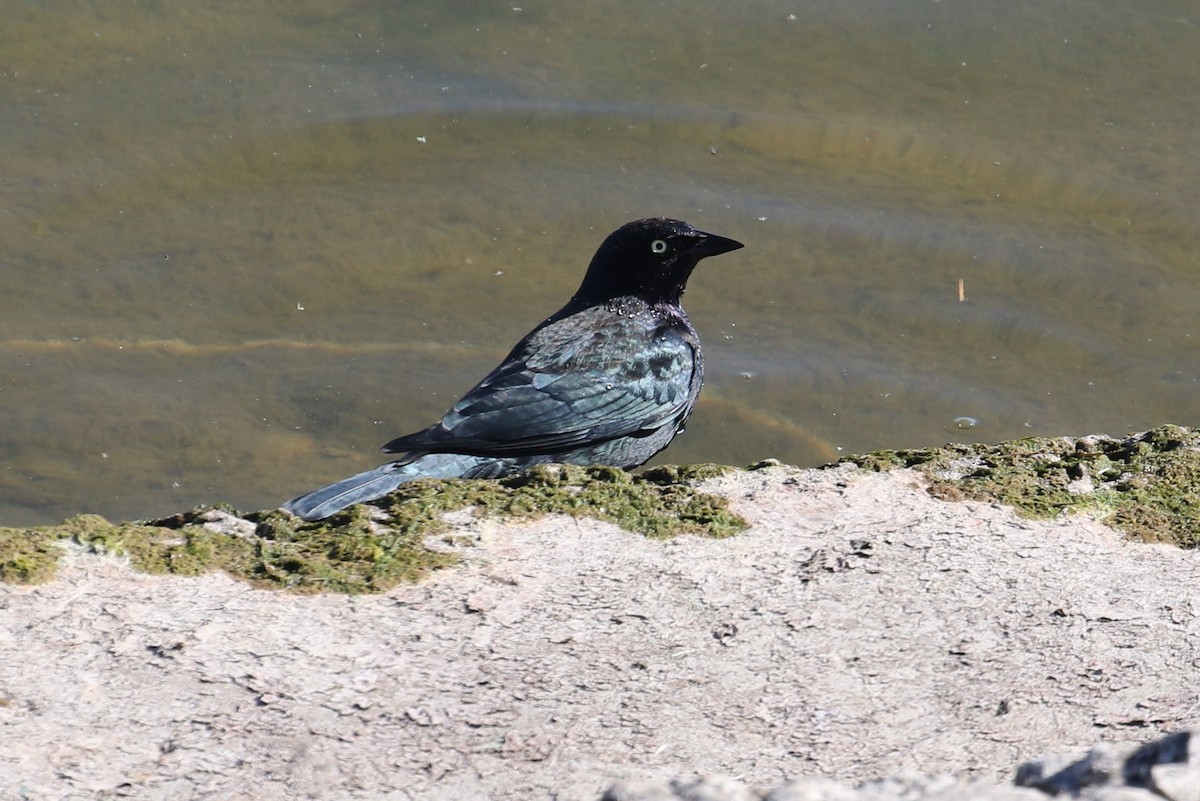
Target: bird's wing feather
{"x": 555, "y": 392}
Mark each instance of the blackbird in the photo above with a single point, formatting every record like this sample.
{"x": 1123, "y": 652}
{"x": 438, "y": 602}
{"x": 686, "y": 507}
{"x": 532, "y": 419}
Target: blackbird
{"x": 608, "y": 379}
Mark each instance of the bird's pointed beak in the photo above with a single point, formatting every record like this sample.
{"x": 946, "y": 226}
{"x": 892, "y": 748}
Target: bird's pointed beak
{"x": 713, "y": 245}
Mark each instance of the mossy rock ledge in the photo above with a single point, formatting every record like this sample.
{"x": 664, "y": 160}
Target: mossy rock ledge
{"x": 374, "y": 546}
{"x": 1146, "y": 485}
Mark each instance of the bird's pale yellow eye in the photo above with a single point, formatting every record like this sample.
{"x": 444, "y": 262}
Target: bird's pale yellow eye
{"x": 658, "y": 247}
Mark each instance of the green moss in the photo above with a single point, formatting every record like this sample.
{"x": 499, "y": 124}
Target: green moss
{"x": 159, "y": 547}
{"x": 1147, "y": 485}
{"x": 27, "y": 556}
{"x": 659, "y": 503}
{"x": 373, "y": 547}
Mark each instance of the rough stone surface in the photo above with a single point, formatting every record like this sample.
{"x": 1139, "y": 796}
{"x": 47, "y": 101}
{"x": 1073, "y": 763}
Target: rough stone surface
{"x": 1105, "y": 773}
{"x": 860, "y": 629}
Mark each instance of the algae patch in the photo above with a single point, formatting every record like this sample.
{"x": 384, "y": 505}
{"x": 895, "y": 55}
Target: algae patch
{"x": 375, "y": 546}
{"x": 1147, "y": 485}
{"x": 28, "y": 556}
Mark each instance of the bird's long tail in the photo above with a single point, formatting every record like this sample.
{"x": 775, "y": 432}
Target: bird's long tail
{"x": 365, "y": 486}
{"x": 375, "y": 483}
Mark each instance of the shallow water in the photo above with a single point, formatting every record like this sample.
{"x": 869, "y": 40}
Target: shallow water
{"x": 245, "y": 246}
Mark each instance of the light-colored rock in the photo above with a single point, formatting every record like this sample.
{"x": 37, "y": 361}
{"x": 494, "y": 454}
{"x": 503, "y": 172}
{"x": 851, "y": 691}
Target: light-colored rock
{"x": 859, "y": 629}
{"x": 812, "y": 788}
{"x": 701, "y": 788}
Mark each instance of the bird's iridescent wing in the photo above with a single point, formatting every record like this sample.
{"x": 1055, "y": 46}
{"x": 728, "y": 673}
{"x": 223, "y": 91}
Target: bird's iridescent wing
{"x": 572, "y": 383}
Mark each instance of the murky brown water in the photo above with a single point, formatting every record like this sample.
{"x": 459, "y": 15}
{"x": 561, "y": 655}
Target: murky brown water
{"x": 245, "y": 246}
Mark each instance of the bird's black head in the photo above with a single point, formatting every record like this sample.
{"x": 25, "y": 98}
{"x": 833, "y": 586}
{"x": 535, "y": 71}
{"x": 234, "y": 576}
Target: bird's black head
{"x": 650, "y": 259}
